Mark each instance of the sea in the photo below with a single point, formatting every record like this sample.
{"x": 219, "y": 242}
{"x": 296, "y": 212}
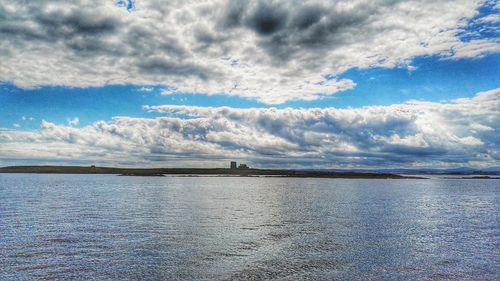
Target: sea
{"x": 108, "y": 227}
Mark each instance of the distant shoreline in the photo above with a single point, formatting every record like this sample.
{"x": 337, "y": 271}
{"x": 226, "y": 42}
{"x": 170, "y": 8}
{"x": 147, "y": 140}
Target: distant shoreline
{"x": 193, "y": 172}
{"x": 474, "y": 178}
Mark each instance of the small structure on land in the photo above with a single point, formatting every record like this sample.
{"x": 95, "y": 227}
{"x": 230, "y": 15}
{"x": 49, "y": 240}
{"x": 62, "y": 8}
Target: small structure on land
{"x": 234, "y": 165}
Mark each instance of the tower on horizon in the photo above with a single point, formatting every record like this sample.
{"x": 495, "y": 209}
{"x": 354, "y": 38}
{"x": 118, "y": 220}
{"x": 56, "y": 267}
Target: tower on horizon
{"x": 233, "y": 164}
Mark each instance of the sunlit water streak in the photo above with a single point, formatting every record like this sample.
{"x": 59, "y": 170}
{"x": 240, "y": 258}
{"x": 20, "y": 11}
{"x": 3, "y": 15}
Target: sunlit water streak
{"x": 107, "y": 227}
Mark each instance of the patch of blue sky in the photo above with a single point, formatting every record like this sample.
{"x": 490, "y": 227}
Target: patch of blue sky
{"x": 57, "y": 104}
{"x": 434, "y": 79}
{"x": 485, "y": 25}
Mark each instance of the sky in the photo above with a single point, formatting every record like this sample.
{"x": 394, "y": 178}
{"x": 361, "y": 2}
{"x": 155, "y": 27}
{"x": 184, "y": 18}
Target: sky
{"x": 275, "y": 84}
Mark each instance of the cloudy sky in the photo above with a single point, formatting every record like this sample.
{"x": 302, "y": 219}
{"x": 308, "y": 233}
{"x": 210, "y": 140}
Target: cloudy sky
{"x": 327, "y": 84}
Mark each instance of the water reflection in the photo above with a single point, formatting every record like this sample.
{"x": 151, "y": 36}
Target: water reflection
{"x": 109, "y": 227}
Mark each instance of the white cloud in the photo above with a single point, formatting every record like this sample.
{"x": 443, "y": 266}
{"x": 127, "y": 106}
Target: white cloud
{"x": 25, "y": 118}
{"x": 73, "y": 121}
{"x": 146, "y": 89}
{"x": 495, "y": 18}
{"x": 462, "y": 132}
{"x": 168, "y": 91}
{"x": 272, "y": 51}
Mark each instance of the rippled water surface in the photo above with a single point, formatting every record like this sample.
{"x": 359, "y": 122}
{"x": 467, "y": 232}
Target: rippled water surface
{"x": 106, "y": 227}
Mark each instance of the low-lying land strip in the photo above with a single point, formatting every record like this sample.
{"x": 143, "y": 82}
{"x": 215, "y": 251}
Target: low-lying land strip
{"x": 196, "y": 171}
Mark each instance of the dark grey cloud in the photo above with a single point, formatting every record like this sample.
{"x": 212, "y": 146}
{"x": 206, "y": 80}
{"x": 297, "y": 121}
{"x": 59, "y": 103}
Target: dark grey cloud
{"x": 81, "y": 31}
{"x": 76, "y": 22}
{"x": 234, "y": 13}
{"x": 288, "y": 27}
{"x": 159, "y": 66}
{"x": 267, "y": 18}
{"x": 57, "y": 24}
{"x": 308, "y": 16}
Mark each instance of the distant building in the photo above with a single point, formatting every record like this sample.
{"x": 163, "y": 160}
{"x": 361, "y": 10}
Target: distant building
{"x": 233, "y": 164}
{"x": 92, "y": 166}
{"x": 243, "y": 166}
